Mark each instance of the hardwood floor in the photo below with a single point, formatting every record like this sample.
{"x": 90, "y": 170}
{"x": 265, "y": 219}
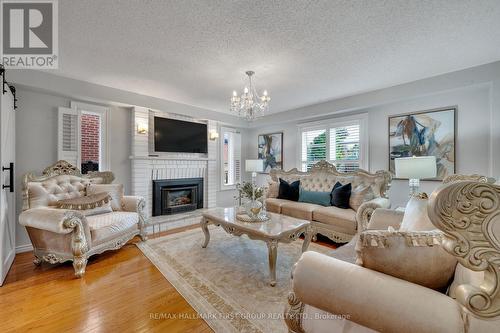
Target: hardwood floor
{"x": 121, "y": 291}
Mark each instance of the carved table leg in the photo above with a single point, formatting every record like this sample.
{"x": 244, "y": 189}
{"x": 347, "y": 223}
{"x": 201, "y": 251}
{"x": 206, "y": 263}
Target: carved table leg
{"x": 204, "y": 227}
{"x": 308, "y": 235}
{"x": 272, "y": 246}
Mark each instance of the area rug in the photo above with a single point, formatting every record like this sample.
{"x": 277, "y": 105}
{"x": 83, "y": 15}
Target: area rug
{"x": 227, "y": 283}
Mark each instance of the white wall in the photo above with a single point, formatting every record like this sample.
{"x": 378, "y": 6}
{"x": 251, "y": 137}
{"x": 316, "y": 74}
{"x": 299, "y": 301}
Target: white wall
{"x": 475, "y": 92}
{"x": 41, "y": 93}
{"x": 36, "y": 141}
{"x": 472, "y": 151}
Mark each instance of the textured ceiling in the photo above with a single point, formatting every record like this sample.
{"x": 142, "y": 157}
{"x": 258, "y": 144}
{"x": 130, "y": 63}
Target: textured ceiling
{"x": 303, "y": 52}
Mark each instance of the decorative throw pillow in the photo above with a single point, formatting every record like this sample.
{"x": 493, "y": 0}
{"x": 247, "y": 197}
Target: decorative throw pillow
{"x": 416, "y": 217}
{"x": 115, "y": 191}
{"x": 273, "y": 189}
{"x": 318, "y": 198}
{"x": 412, "y": 256}
{"x": 340, "y": 195}
{"x": 88, "y": 205}
{"x": 289, "y": 191}
{"x": 359, "y": 195}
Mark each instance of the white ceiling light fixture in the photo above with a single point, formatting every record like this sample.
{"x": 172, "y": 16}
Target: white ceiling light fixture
{"x": 250, "y": 105}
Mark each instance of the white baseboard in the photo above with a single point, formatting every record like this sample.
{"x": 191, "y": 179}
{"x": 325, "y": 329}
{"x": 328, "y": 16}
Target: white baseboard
{"x": 24, "y": 248}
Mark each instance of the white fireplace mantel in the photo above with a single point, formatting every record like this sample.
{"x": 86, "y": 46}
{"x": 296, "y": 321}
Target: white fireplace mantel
{"x": 147, "y": 168}
{"x": 171, "y": 158}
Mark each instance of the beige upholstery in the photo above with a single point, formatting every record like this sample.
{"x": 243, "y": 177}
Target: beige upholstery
{"x": 60, "y": 235}
{"x": 413, "y": 256}
{"x": 372, "y": 299}
{"x": 466, "y": 212}
{"x": 343, "y": 220}
{"x": 338, "y": 224}
{"x": 383, "y": 218}
{"x": 274, "y": 205}
{"x": 300, "y": 210}
{"x": 106, "y": 226}
{"x": 416, "y": 217}
{"x": 114, "y": 190}
{"x": 51, "y": 190}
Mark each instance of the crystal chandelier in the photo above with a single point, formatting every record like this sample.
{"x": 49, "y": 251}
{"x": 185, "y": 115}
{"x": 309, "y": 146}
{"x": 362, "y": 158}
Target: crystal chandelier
{"x": 250, "y": 105}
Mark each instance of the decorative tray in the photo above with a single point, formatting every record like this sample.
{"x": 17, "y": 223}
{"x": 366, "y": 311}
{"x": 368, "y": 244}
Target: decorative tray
{"x": 245, "y": 218}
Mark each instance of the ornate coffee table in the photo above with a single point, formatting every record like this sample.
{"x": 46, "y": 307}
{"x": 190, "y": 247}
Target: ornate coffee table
{"x": 278, "y": 229}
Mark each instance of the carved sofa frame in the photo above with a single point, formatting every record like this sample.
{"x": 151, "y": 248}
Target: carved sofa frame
{"x": 467, "y": 210}
{"x": 363, "y": 214}
{"x": 60, "y": 235}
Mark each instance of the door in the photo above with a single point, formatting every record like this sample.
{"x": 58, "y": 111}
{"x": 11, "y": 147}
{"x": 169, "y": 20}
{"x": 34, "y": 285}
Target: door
{"x": 7, "y": 189}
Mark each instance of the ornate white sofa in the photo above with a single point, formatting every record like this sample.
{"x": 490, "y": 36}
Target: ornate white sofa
{"x": 338, "y": 224}
{"x": 60, "y": 235}
{"x": 331, "y": 295}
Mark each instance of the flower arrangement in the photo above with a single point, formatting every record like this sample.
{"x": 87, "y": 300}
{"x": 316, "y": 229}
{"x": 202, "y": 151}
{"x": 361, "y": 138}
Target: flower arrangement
{"x": 245, "y": 190}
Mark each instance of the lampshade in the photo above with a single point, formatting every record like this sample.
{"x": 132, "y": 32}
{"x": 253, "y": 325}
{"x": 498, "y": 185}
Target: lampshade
{"x": 420, "y": 167}
{"x": 254, "y": 165}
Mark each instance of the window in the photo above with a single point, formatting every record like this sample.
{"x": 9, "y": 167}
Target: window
{"x": 82, "y": 136}
{"x": 341, "y": 142}
{"x": 230, "y": 157}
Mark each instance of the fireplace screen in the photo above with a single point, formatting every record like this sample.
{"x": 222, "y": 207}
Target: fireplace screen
{"x": 172, "y": 196}
{"x": 180, "y": 196}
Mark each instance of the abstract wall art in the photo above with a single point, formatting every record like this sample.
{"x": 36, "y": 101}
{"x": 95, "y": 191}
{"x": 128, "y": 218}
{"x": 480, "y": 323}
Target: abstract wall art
{"x": 425, "y": 133}
{"x": 270, "y": 147}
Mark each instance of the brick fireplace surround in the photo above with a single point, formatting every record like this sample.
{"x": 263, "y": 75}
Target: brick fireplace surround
{"x": 145, "y": 168}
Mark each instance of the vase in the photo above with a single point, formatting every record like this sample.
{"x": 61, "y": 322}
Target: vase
{"x": 253, "y": 208}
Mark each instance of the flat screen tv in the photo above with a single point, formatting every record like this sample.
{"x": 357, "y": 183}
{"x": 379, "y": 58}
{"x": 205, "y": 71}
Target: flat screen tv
{"x": 177, "y": 136}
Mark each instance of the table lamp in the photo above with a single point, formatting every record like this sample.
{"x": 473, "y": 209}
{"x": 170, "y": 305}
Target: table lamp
{"x": 254, "y": 166}
{"x": 415, "y": 168}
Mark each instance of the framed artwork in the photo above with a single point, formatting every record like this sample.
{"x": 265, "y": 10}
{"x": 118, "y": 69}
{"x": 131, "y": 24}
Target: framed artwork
{"x": 270, "y": 147}
{"x": 425, "y": 133}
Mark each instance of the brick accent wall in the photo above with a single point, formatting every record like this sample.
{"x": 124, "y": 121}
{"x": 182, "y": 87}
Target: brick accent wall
{"x": 90, "y": 138}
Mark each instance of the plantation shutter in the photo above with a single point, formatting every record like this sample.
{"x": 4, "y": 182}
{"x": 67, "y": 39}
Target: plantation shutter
{"x": 237, "y": 156}
{"x": 313, "y": 148}
{"x": 68, "y": 125}
{"x": 230, "y": 156}
{"x": 345, "y": 147}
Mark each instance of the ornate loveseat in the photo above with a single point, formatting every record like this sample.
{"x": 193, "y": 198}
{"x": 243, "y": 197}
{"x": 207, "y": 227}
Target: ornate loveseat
{"x": 338, "y": 224}
{"x": 362, "y": 300}
{"x": 60, "y": 235}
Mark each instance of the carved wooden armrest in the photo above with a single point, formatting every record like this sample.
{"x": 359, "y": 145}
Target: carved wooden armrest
{"x": 133, "y": 203}
{"x": 468, "y": 212}
{"x": 365, "y": 211}
{"x": 55, "y": 220}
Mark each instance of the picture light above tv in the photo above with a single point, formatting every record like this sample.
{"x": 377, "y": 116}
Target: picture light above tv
{"x": 178, "y": 136}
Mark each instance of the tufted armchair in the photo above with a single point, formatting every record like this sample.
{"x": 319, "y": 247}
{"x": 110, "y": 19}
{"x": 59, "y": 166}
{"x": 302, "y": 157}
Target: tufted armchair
{"x": 358, "y": 299}
{"x": 60, "y": 235}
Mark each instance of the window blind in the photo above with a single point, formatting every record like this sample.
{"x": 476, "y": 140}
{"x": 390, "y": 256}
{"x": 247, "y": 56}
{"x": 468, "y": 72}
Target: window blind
{"x": 338, "y": 143}
{"x": 313, "y": 147}
{"x": 231, "y": 156}
{"x": 345, "y": 147}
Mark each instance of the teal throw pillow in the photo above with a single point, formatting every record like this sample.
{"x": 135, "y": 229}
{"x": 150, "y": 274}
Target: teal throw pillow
{"x": 318, "y": 198}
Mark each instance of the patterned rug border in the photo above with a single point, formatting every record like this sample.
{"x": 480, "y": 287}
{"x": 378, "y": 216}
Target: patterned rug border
{"x": 224, "y": 315}
{"x": 197, "y": 302}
